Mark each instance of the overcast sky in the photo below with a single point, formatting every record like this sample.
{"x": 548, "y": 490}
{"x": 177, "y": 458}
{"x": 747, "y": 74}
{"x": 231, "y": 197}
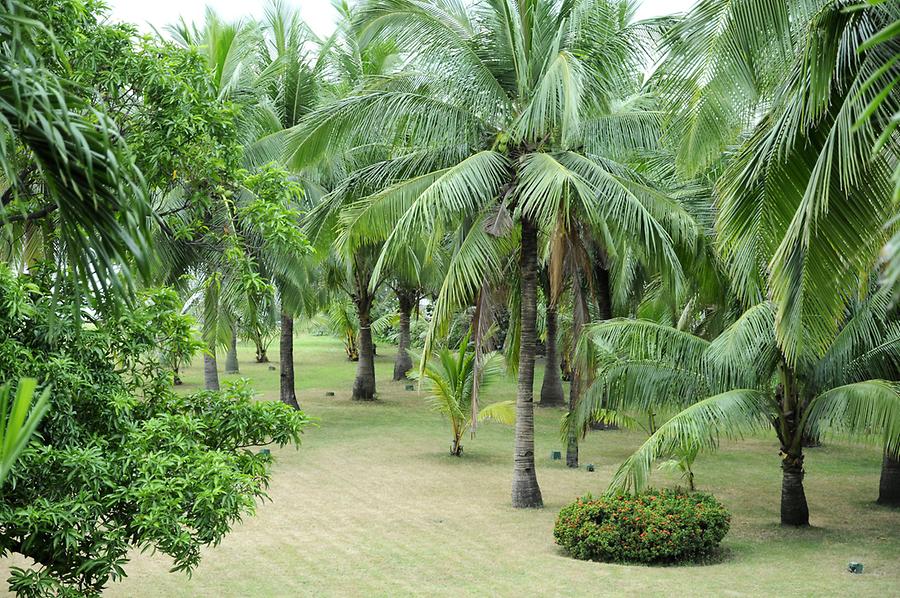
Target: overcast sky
{"x": 318, "y": 13}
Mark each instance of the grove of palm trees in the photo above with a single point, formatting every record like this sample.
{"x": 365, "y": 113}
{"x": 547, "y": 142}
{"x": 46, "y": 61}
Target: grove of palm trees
{"x": 493, "y": 297}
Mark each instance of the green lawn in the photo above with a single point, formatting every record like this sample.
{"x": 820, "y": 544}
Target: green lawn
{"x": 372, "y": 504}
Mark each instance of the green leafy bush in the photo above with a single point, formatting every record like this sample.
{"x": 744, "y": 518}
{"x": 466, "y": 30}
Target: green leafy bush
{"x": 657, "y": 526}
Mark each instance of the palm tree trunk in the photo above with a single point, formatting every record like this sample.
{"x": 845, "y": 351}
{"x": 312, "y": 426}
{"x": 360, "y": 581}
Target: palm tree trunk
{"x": 231, "y": 358}
{"x": 889, "y": 486}
{"x": 210, "y": 368}
{"x": 288, "y": 393}
{"x": 604, "y": 288}
{"x": 364, "y": 384}
{"x": 456, "y": 447}
{"x": 604, "y": 308}
{"x": 552, "y": 390}
{"x": 794, "y": 510}
{"x": 579, "y": 318}
{"x": 261, "y": 356}
{"x": 571, "y": 436}
{"x": 525, "y": 490}
{"x": 403, "y": 363}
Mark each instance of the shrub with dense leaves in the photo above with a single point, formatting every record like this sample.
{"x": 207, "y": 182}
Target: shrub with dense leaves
{"x": 657, "y": 526}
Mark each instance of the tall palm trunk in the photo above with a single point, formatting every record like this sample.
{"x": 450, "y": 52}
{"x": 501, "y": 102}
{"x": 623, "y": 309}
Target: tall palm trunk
{"x": 604, "y": 287}
{"x": 210, "y": 326}
{"x": 364, "y": 384}
{"x": 889, "y": 486}
{"x": 210, "y": 368}
{"x": 403, "y": 363}
{"x": 231, "y": 357}
{"x": 579, "y": 318}
{"x": 288, "y": 393}
{"x": 525, "y": 490}
{"x": 552, "y": 390}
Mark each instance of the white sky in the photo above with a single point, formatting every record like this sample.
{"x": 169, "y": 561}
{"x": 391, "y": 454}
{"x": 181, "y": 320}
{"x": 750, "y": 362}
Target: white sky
{"x": 318, "y": 13}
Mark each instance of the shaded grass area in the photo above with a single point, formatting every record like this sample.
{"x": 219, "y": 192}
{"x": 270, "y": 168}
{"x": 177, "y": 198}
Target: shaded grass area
{"x": 372, "y": 504}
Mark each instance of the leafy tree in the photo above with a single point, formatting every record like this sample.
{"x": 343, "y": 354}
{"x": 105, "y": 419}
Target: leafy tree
{"x": 121, "y": 461}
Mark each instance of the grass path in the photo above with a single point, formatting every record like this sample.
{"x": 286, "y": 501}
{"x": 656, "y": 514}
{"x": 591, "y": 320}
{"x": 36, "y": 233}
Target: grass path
{"x": 372, "y": 505}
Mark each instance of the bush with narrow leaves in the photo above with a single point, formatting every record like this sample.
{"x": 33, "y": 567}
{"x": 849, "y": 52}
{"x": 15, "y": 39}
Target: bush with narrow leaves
{"x": 656, "y": 526}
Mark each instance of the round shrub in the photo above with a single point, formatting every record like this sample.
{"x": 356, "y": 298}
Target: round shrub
{"x": 656, "y": 526}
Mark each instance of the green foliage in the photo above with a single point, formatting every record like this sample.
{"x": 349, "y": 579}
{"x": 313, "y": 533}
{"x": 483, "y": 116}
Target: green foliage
{"x": 64, "y": 160}
{"x": 739, "y": 383}
{"x": 122, "y": 462}
{"x": 449, "y": 379}
{"x": 21, "y": 419}
{"x": 656, "y": 526}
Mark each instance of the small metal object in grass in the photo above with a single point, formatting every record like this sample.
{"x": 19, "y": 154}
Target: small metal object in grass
{"x": 410, "y": 387}
{"x": 855, "y": 567}
{"x": 265, "y": 451}
{"x": 329, "y": 393}
{"x": 556, "y": 455}
{"x": 589, "y": 467}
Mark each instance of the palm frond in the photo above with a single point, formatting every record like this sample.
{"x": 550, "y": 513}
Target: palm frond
{"x": 864, "y": 410}
{"x": 732, "y": 414}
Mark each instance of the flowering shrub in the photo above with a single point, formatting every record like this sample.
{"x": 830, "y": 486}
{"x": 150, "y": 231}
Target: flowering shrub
{"x": 656, "y": 526}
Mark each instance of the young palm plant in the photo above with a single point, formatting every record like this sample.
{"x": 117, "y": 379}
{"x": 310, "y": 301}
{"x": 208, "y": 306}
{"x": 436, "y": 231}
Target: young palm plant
{"x": 740, "y": 383}
{"x": 449, "y": 379}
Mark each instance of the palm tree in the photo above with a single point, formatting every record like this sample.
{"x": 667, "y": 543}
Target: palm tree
{"x": 740, "y": 383}
{"x": 807, "y": 201}
{"x": 407, "y": 299}
{"x": 513, "y": 114}
{"x": 291, "y": 81}
{"x": 450, "y": 380}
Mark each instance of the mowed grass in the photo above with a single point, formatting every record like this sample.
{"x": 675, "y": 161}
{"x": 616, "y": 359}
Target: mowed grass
{"x": 373, "y": 505}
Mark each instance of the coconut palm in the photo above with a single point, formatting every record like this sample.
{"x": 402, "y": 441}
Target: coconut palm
{"x": 740, "y": 383}
{"x": 513, "y": 105}
{"x": 807, "y": 200}
{"x": 449, "y": 378}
